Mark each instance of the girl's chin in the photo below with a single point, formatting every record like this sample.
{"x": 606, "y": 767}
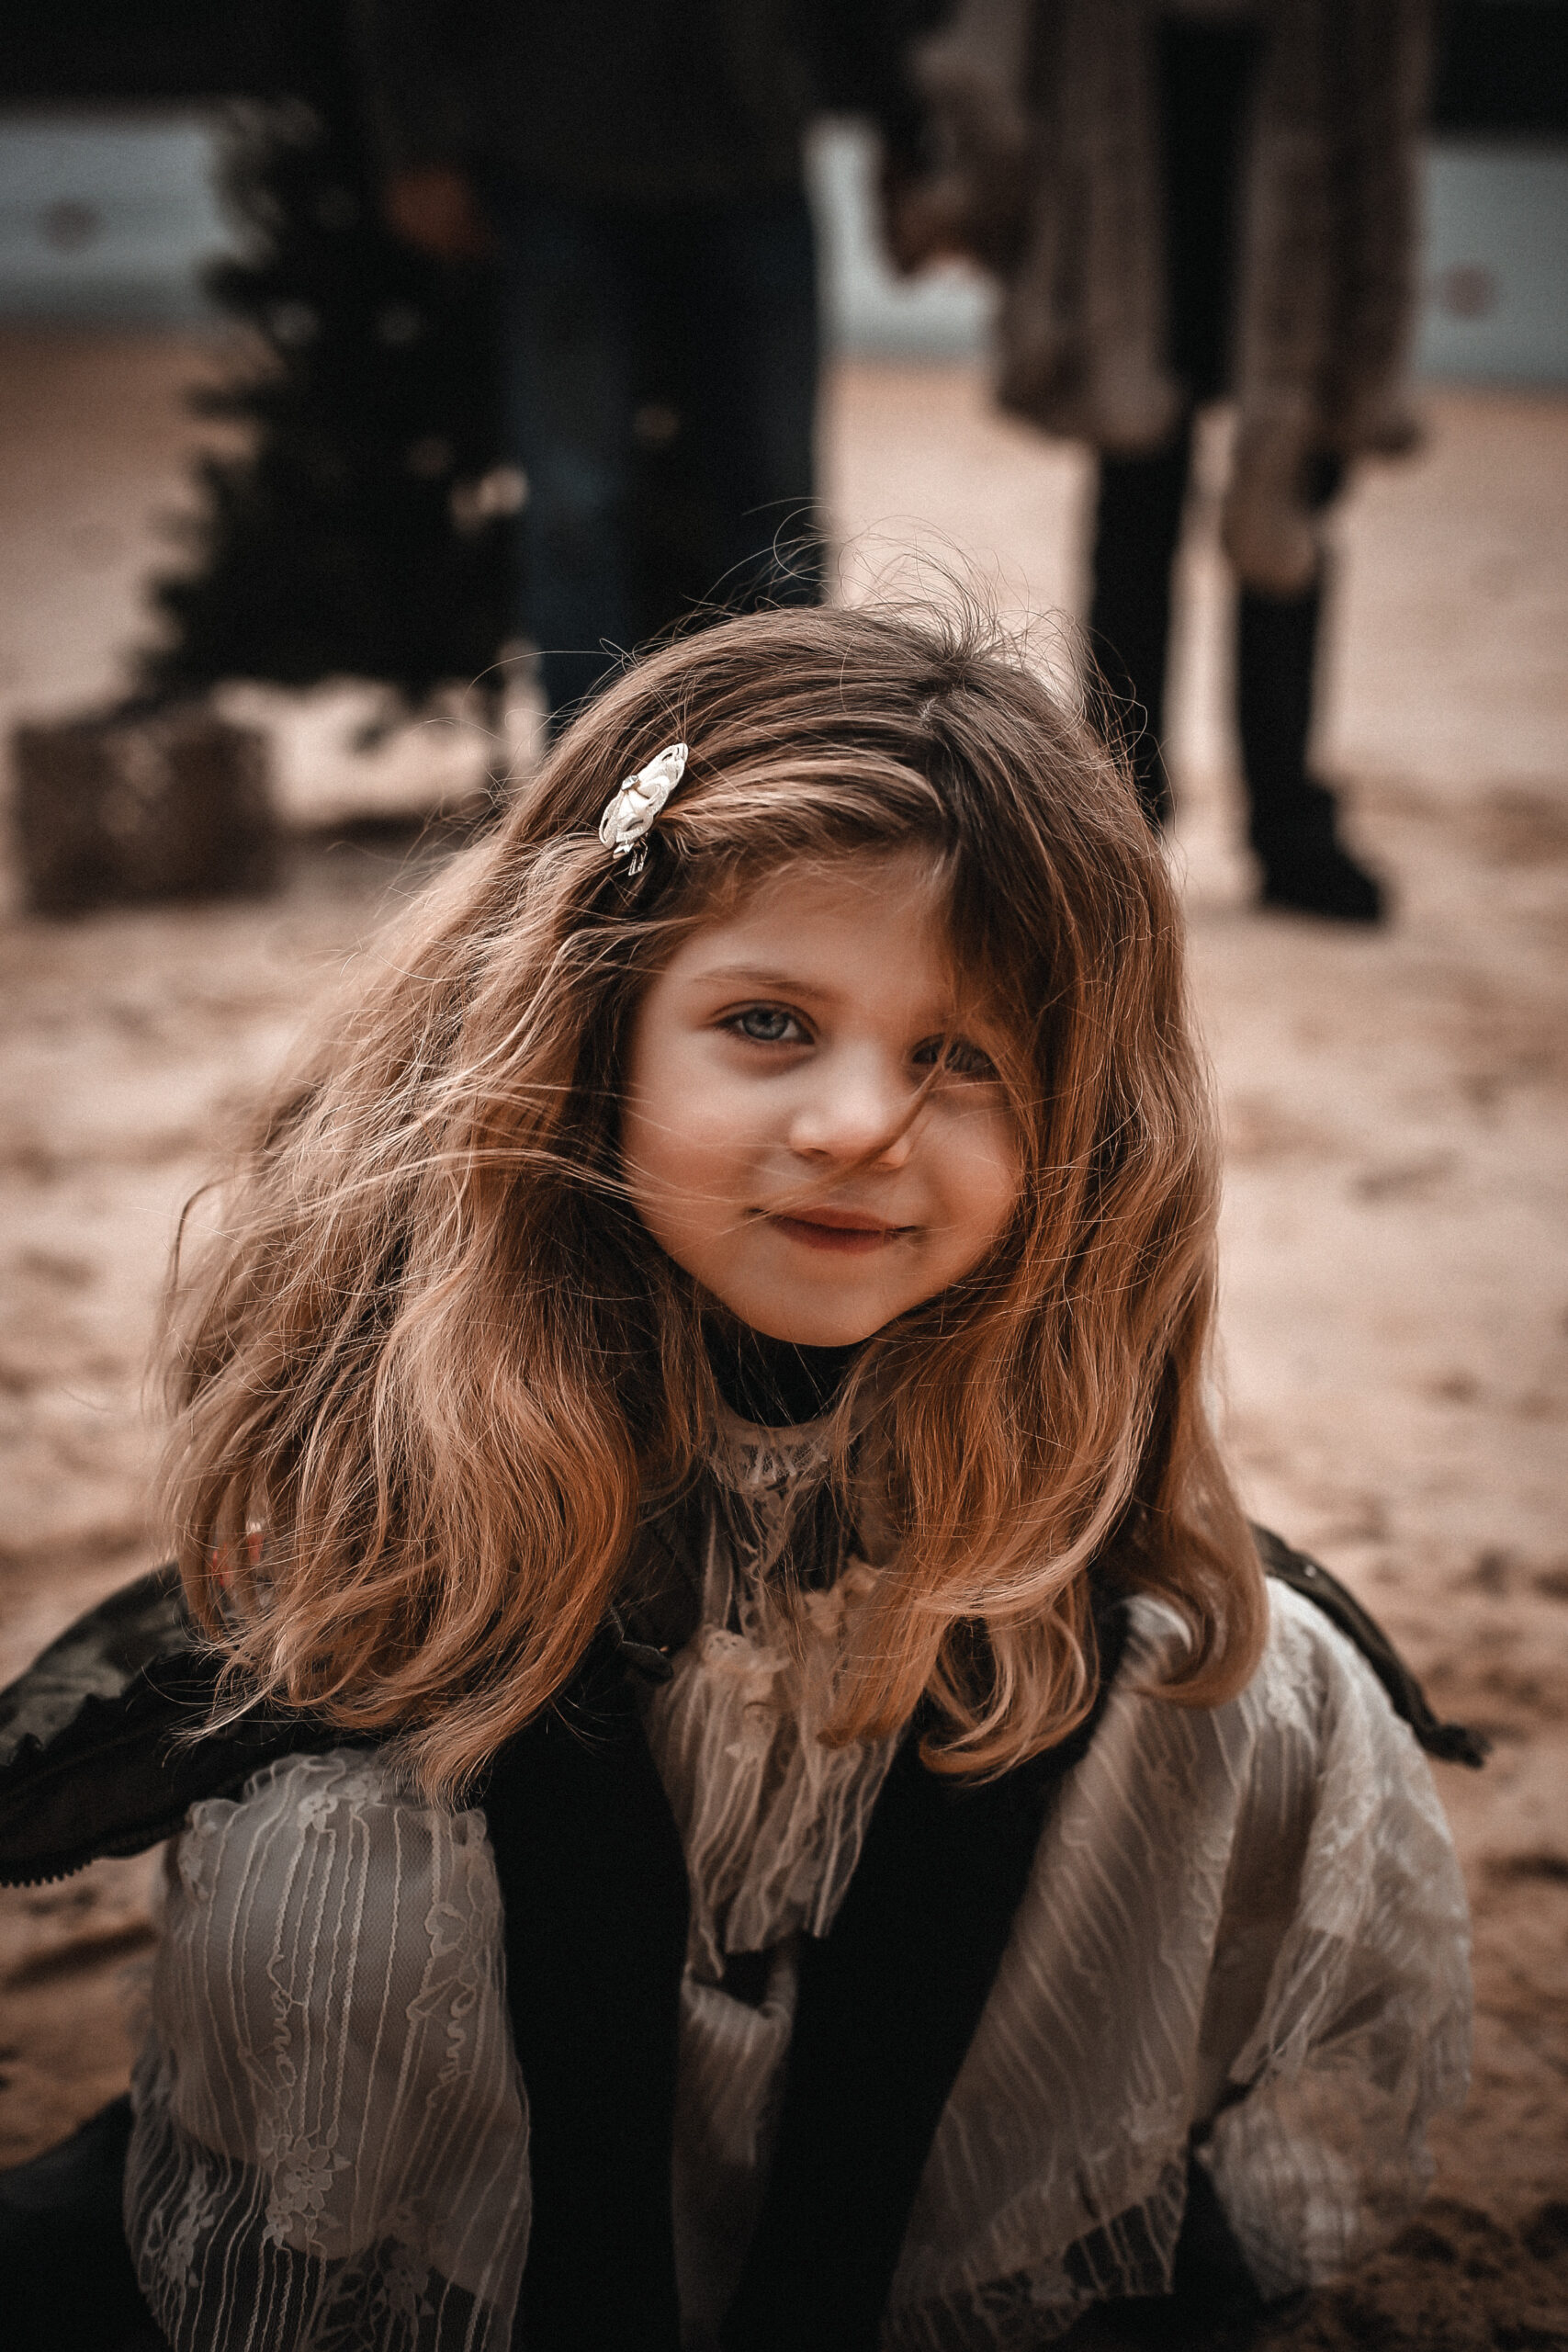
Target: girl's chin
{"x": 811, "y": 1323}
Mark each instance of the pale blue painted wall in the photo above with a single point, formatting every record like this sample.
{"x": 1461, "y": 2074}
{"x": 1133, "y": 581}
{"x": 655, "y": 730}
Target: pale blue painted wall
{"x": 107, "y": 219}
{"x": 1496, "y": 263}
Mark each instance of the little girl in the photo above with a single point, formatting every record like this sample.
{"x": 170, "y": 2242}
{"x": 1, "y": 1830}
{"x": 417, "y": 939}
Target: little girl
{"x": 807, "y": 1827}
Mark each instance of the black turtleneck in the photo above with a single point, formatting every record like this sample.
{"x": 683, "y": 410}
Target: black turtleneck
{"x": 773, "y": 1382}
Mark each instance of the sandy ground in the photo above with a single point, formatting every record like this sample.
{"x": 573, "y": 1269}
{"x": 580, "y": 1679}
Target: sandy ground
{"x": 1395, "y": 1313}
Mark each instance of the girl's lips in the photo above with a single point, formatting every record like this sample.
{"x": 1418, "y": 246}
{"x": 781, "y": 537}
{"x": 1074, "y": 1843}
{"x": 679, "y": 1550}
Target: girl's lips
{"x": 837, "y": 1231}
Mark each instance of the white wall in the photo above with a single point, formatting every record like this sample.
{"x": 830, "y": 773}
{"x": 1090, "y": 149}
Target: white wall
{"x": 107, "y": 219}
{"x": 104, "y": 219}
{"x": 1496, "y": 263}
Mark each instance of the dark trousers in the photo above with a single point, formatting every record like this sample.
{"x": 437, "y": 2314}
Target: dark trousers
{"x": 1205, "y": 77}
{"x": 1137, "y": 526}
{"x": 662, "y": 385}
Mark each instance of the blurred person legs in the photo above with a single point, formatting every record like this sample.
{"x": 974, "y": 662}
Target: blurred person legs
{"x": 1206, "y": 72}
{"x": 1291, "y": 816}
{"x": 661, "y": 378}
{"x": 1137, "y": 523}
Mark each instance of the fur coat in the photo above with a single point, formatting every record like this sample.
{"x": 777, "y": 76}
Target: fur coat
{"x": 1047, "y": 169}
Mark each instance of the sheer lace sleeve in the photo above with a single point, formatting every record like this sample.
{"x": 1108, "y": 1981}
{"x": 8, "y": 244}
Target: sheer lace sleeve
{"x": 1245, "y": 1923}
{"x": 331, "y": 2143}
{"x": 1364, "y": 2026}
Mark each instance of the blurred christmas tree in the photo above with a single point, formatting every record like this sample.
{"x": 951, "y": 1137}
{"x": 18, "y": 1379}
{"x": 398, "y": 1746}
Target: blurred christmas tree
{"x": 365, "y": 531}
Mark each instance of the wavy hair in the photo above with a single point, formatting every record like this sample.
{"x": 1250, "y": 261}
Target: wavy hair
{"x": 434, "y": 1357}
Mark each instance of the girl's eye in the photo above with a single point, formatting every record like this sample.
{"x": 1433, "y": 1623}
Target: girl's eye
{"x": 958, "y": 1058}
{"x": 769, "y": 1024}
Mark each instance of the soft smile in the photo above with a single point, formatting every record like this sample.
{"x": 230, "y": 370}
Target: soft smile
{"x": 841, "y": 1231}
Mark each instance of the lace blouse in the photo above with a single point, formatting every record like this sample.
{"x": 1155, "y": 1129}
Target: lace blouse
{"x": 1251, "y": 1914}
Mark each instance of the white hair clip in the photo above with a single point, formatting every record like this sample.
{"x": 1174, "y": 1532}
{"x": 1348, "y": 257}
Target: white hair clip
{"x": 629, "y": 815}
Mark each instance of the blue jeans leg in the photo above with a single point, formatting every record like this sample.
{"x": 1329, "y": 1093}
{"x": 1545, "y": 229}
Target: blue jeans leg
{"x": 568, "y": 342}
{"x": 751, "y": 304}
{"x": 702, "y": 319}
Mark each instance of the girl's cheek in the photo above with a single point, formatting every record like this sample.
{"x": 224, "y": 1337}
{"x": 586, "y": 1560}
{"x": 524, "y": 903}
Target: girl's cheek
{"x": 989, "y": 1135}
{"x": 1002, "y": 1160}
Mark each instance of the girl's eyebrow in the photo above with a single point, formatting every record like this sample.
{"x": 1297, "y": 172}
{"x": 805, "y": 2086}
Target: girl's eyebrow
{"x": 760, "y": 975}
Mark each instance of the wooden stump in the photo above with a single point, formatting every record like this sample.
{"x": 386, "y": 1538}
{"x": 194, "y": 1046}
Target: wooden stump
{"x": 140, "y": 806}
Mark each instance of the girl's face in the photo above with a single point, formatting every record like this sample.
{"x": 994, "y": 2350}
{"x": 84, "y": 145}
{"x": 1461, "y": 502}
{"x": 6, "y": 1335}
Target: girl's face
{"x": 769, "y": 1137}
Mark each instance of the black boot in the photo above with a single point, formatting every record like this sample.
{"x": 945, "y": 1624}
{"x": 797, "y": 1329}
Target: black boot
{"x": 1291, "y": 816}
{"x": 1310, "y": 870}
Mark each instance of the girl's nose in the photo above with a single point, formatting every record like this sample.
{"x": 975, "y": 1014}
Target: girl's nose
{"x": 854, "y": 1108}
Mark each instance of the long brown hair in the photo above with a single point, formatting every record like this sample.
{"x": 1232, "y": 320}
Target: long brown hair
{"x": 435, "y": 1360}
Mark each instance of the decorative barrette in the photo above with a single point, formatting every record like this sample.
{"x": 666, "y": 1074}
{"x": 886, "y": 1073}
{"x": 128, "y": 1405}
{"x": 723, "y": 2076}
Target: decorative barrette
{"x": 629, "y": 815}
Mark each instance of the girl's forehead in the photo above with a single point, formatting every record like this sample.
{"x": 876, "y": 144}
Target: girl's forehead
{"x": 902, "y": 881}
{"x": 872, "y": 921}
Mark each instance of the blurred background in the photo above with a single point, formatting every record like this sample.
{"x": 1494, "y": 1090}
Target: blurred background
{"x": 270, "y": 649}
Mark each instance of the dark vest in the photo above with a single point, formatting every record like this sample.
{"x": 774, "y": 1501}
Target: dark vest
{"x": 888, "y": 2003}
